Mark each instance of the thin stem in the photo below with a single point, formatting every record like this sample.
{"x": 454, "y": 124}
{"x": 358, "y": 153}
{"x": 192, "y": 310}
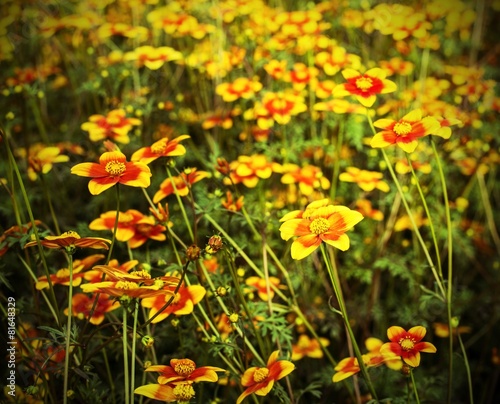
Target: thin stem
{"x": 467, "y": 367}
{"x": 490, "y": 219}
{"x": 181, "y": 205}
{"x": 51, "y": 207}
{"x": 125, "y": 357}
{"x": 414, "y": 387}
{"x": 134, "y": 339}
{"x": 68, "y": 329}
{"x": 340, "y": 299}
{"x": 115, "y": 228}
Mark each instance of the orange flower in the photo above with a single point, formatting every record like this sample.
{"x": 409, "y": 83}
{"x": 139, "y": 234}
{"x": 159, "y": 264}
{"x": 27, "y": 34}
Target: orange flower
{"x": 365, "y": 86}
{"x": 367, "y": 180}
{"x": 113, "y": 168}
{"x": 364, "y": 206}
{"x": 276, "y": 68}
{"x": 340, "y": 106}
{"x": 249, "y": 169}
{"x": 405, "y": 132}
{"x": 407, "y": 344}
{"x": 306, "y": 346}
{"x": 331, "y": 62}
{"x": 162, "y": 148}
{"x": 13, "y": 234}
{"x": 82, "y": 305}
{"x": 136, "y": 284}
{"x": 320, "y": 222}
{"x": 185, "y": 370}
{"x": 41, "y": 159}
{"x": 308, "y": 178}
{"x": 71, "y": 240}
{"x": 261, "y": 380}
{"x": 276, "y": 107}
{"x": 114, "y": 126}
{"x": 183, "y": 303}
{"x": 61, "y": 277}
{"x": 180, "y": 184}
{"x": 260, "y": 285}
{"x": 126, "y": 223}
{"x": 443, "y": 330}
{"x": 95, "y": 275}
{"x": 242, "y": 87}
{"x": 300, "y": 75}
{"x": 230, "y": 204}
{"x": 179, "y": 393}
{"x": 152, "y": 58}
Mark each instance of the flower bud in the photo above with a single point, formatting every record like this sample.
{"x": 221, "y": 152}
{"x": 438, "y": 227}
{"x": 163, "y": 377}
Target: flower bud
{"x": 193, "y": 252}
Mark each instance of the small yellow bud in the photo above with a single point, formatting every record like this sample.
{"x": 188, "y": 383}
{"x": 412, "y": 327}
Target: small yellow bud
{"x": 234, "y": 317}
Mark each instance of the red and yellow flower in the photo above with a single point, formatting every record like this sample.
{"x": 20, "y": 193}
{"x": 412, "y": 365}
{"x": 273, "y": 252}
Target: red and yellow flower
{"x": 83, "y": 304}
{"x": 264, "y": 291}
{"x": 319, "y": 222}
{"x": 41, "y": 159}
{"x": 406, "y": 132}
{"x": 161, "y": 148}
{"x": 242, "y": 87}
{"x": 249, "y": 169}
{"x": 183, "y": 304}
{"x": 308, "y": 178}
{"x": 151, "y": 57}
{"x": 71, "y": 240}
{"x": 276, "y": 107}
{"x": 260, "y": 380}
{"x": 114, "y": 126}
{"x": 180, "y": 184}
{"x": 407, "y": 344}
{"x": 113, "y": 168}
{"x": 61, "y": 277}
{"x": 306, "y": 346}
{"x": 367, "y": 180}
{"x": 364, "y": 87}
{"x": 233, "y": 205}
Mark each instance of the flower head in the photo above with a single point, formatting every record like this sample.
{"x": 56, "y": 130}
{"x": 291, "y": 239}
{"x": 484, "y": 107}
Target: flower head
{"x": 261, "y": 380}
{"x": 114, "y": 126}
{"x": 405, "y": 132}
{"x": 407, "y": 344}
{"x": 308, "y": 178}
{"x": 180, "y": 184}
{"x": 82, "y": 306}
{"x": 185, "y": 370}
{"x": 71, "y": 240}
{"x": 367, "y": 180}
{"x": 320, "y": 222}
{"x": 249, "y": 169}
{"x": 161, "y": 148}
{"x": 113, "y": 168}
{"x": 242, "y": 87}
{"x": 41, "y": 159}
{"x": 364, "y": 87}
{"x": 306, "y": 346}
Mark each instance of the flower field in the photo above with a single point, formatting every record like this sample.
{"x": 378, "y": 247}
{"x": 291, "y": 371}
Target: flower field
{"x": 249, "y": 201}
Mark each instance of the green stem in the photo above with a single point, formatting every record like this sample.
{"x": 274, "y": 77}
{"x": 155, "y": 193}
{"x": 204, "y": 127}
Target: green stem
{"x": 336, "y": 164}
{"x": 134, "y": 339}
{"x": 181, "y": 205}
{"x": 338, "y": 293}
{"x": 450, "y": 266}
{"x": 68, "y": 329}
{"x": 115, "y": 228}
{"x": 467, "y": 367}
{"x": 51, "y": 207}
{"x": 125, "y": 357}
{"x": 414, "y": 387}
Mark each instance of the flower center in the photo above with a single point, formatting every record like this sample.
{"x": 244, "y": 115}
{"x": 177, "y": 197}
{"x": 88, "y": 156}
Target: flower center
{"x": 184, "y": 367}
{"x": 183, "y": 392}
{"x": 159, "y": 146}
{"x": 407, "y": 344}
{"x": 364, "y": 83}
{"x": 70, "y": 233}
{"x": 115, "y": 168}
{"x": 319, "y": 225}
{"x": 144, "y": 228}
{"x": 126, "y": 285}
{"x": 260, "y": 375}
{"x": 402, "y": 128}
{"x": 143, "y": 274}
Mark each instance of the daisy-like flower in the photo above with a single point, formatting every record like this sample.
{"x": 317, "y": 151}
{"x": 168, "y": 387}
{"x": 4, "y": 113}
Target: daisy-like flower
{"x": 82, "y": 305}
{"x": 61, "y": 277}
{"x": 181, "y": 392}
{"x": 308, "y": 178}
{"x": 364, "y": 87}
{"x": 152, "y": 58}
{"x": 185, "y": 370}
{"x": 114, "y": 126}
{"x": 71, "y": 240}
{"x": 406, "y": 132}
{"x": 260, "y": 286}
{"x": 180, "y": 184}
{"x": 183, "y": 304}
{"x": 261, "y": 380}
{"x": 242, "y": 87}
{"x": 407, "y": 344}
{"x": 249, "y": 169}
{"x": 367, "y": 180}
{"x": 41, "y": 159}
{"x": 233, "y": 205}
{"x": 113, "y": 168}
{"x": 306, "y": 346}
{"x": 319, "y": 222}
{"x": 276, "y": 107}
{"x": 162, "y": 148}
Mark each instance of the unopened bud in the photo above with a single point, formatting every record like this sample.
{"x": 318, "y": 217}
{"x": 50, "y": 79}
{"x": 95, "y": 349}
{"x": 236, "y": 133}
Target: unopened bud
{"x": 193, "y": 252}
